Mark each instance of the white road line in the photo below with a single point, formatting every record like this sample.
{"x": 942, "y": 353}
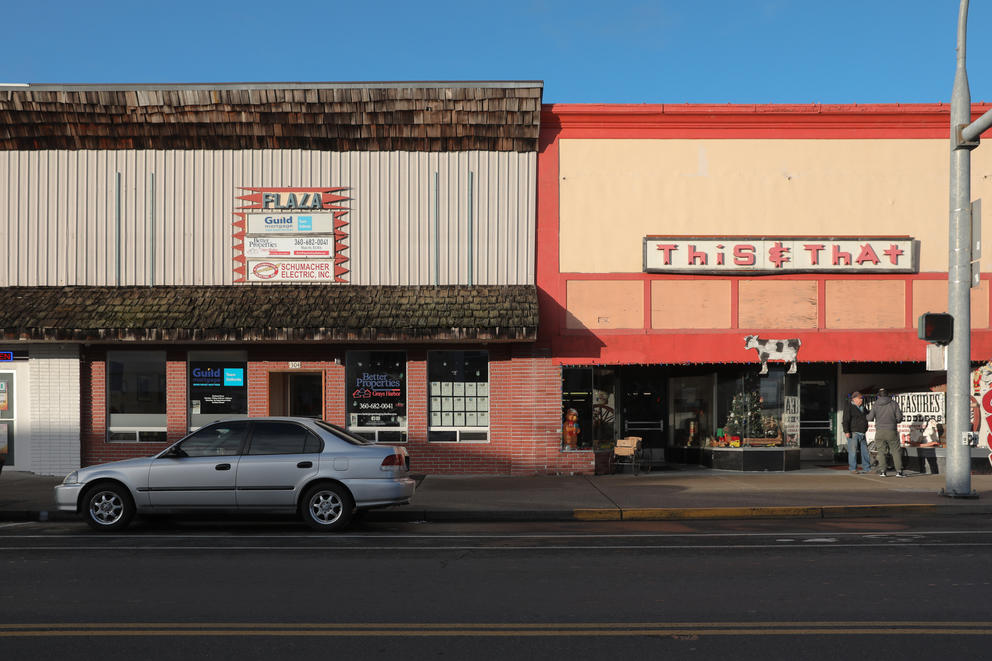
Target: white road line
{"x": 623, "y": 547}
{"x": 887, "y": 533}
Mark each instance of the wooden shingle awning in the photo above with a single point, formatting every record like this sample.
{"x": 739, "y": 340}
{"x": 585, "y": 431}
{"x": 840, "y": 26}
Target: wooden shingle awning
{"x": 269, "y": 313}
{"x": 399, "y": 116}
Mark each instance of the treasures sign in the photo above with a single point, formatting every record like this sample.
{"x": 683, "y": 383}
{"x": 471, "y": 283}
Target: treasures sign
{"x": 679, "y": 254}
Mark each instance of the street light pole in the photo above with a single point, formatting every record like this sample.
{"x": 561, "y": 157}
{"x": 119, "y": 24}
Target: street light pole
{"x": 964, "y": 138}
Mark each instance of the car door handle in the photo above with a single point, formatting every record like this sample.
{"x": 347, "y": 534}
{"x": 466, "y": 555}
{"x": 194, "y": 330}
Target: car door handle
{"x": 305, "y": 464}
{"x": 223, "y": 467}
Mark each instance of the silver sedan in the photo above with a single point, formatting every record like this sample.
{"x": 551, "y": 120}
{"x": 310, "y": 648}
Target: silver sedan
{"x": 311, "y": 467}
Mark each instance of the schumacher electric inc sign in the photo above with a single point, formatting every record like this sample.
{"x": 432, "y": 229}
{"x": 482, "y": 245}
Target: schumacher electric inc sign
{"x": 680, "y": 254}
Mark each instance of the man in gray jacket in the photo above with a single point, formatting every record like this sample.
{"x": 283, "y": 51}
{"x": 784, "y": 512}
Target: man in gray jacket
{"x": 887, "y": 416}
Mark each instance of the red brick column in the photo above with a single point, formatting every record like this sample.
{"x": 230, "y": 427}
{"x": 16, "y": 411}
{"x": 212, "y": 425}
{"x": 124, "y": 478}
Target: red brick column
{"x": 416, "y": 399}
{"x": 258, "y": 388}
{"x": 334, "y": 393}
{"x": 177, "y": 395}
{"x": 93, "y": 402}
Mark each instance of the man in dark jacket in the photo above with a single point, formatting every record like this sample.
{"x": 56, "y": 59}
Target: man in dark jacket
{"x": 887, "y": 416}
{"x": 855, "y": 424}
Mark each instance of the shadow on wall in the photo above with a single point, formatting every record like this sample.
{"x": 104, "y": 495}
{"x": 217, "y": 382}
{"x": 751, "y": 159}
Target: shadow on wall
{"x": 557, "y": 322}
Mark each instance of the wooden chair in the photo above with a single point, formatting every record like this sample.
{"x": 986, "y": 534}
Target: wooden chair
{"x": 628, "y": 451}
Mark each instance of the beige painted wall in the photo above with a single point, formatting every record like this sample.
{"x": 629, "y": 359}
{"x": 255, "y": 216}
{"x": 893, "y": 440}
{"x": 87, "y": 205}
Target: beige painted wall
{"x": 605, "y": 305}
{"x": 615, "y": 192}
{"x": 931, "y": 296}
{"x": 776, "y": 304}
{"x": 865, "y": 304}
{"x": 690, "y": 304}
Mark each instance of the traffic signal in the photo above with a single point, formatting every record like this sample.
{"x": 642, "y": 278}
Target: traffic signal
{"x": 936, "y": 327}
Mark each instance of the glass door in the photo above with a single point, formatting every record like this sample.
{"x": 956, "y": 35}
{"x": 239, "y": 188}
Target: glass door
{"x": 297, "y": 394}
{"x": 817, "y": 407}
{"x": 642, "y": 404}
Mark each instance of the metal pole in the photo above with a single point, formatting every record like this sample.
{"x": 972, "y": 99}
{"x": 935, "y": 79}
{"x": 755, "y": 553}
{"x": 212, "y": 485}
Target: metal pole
{"x": 958, "y": 469}
{"x": 117, "y": 239}
{"x": 437, "y": 230}
{"x": 151, "y": 250}
{"x": 471, "y": 237}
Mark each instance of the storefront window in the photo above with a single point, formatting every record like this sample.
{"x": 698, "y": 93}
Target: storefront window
{"x": 604, "y": 407}
{"x": 136, "y": 396}
{"x": 218, "y": 386}
{"x": 458, "y": 402}
{"x": 577, "y": 411}
{"x": 376, "y": 392}
{"x": 758, "y": 410}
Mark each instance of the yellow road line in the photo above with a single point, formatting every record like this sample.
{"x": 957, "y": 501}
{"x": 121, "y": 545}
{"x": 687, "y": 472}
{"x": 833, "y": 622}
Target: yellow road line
{"x": 666, "y": 513}
{"x": 492, "y": 629}
{"x": 611, "y": 514}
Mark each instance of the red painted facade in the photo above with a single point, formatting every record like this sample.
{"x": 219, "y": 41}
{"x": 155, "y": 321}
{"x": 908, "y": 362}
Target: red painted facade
{"x": 682, "y": 346}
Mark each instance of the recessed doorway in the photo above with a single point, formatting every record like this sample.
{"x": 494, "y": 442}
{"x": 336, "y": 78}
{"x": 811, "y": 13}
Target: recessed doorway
{"x": 298, "y": 394}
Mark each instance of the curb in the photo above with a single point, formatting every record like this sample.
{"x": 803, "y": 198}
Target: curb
{"x": 610, "y": 514}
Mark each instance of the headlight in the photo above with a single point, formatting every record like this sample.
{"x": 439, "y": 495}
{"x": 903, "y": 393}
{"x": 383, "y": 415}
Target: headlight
{"x": 71, "y": 478}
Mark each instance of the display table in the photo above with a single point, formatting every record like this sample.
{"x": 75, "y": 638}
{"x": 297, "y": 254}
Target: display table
{"x": 751, "y": 459}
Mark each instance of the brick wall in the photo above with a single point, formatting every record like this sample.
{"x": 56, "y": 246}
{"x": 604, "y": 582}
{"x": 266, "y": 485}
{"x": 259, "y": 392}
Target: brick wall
{"x": 525, "y": 410}
{"x": 524, "y": 417}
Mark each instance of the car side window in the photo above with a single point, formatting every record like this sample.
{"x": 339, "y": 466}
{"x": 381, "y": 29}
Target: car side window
{"x": 282, "y": 438}
{"x": 220, "y": 440}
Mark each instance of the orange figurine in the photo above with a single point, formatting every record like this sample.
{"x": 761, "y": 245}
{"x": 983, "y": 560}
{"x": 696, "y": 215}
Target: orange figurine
{"x": 570, "y": 429}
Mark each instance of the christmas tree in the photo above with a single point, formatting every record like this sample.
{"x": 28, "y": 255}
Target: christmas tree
{"x": 744, "y": 419}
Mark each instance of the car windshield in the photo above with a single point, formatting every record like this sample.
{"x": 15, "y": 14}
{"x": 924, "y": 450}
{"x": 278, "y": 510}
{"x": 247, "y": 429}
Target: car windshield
{"x": 343, "y": 433}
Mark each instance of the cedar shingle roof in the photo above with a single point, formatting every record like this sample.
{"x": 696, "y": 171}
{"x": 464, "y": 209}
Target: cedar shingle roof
{"x": 324, "y": 116}
{"x": 298, "y": 313}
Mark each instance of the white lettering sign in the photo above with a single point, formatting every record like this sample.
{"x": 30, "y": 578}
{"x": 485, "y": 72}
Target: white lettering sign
{"x": 290, "y": 223}
{"x": 289, "y": 246}
{"x": 779, "y": 255}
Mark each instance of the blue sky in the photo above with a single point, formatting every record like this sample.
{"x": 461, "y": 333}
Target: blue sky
{"x": 668, "y": 51}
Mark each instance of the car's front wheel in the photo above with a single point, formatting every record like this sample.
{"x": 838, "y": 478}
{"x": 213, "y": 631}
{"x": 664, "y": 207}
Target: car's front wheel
{"x": 107, "y": 507}
{"x": 327, "y": 507}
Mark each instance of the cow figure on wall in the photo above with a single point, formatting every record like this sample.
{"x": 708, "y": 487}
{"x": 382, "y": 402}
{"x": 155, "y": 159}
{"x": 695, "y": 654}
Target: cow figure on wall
{"x": 784, "y": 350}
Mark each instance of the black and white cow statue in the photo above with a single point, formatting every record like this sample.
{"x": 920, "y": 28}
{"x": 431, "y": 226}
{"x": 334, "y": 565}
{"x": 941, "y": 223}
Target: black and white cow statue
{"x": 784, "y": 350}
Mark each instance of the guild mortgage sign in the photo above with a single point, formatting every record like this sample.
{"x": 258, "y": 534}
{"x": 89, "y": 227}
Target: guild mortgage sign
{"x": 680, "y": 254}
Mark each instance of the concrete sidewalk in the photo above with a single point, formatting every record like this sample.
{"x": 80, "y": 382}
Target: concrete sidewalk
{"x": 676, "y": 493}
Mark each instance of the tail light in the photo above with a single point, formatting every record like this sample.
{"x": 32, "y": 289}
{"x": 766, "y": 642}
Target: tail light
{"x": 394, "y": 462}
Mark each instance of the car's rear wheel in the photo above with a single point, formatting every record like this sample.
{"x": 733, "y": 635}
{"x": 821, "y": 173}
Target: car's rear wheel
{"x": 107, "y": 507}
{"x": 327, "y": 507}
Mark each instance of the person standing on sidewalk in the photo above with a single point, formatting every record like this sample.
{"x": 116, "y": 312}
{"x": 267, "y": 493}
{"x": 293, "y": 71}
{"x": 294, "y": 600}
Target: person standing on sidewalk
{"x": 855, "y": 424}
{"x": 887, "y": 416}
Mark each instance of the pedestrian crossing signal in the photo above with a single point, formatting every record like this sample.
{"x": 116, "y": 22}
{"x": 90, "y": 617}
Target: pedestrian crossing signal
{"x": 936, "y": 327}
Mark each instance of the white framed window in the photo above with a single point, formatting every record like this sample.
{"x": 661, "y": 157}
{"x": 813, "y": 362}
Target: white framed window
{"x": 458, "y": 396}
{"x": 136, "y": 396}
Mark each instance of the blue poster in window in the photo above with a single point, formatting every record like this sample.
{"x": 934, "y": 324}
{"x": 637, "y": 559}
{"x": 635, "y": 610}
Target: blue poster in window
{"x": 234, "y": 376}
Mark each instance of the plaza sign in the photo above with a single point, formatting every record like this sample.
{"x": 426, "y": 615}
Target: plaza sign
{"x": 297, "y": 234}
{"x": 717, "y": 255}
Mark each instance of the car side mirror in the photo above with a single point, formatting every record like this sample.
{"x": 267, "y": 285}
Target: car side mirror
{"x": 175, "y": 453}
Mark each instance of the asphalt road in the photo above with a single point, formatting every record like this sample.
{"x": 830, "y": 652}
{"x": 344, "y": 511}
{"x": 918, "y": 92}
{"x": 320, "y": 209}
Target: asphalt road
{"x": 810, "y": 589}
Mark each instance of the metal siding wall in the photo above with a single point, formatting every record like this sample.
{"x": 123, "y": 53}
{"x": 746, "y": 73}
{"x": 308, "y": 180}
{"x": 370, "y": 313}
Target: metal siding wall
{"x": 58, "y": 217}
